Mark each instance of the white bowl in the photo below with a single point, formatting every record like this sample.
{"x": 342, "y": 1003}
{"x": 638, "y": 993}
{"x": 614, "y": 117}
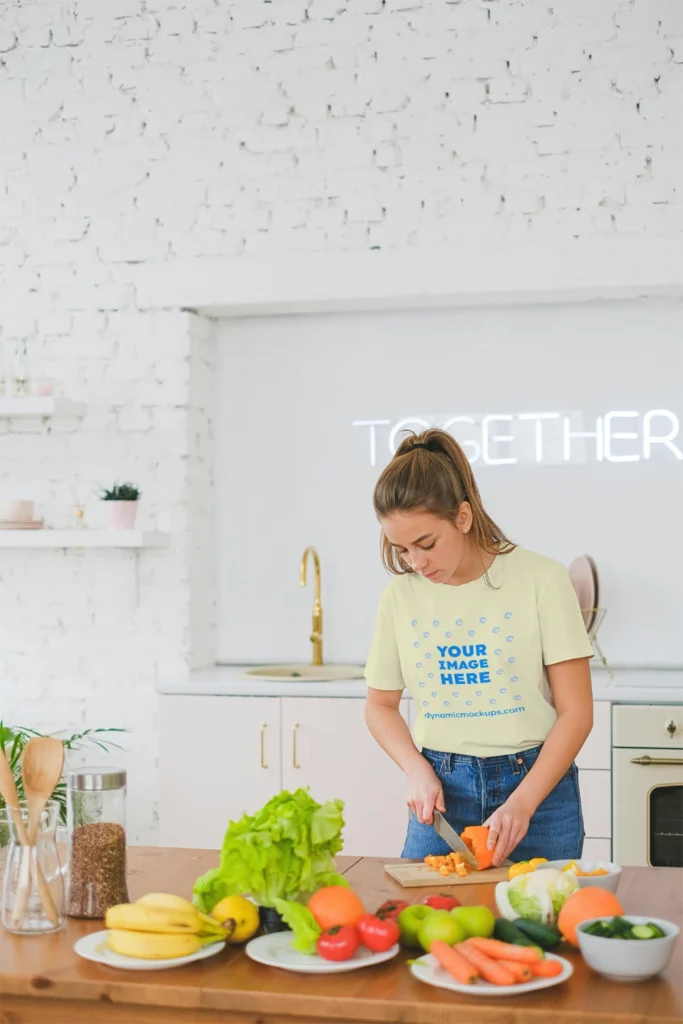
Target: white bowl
{"x": 630, "y": 959}
{"x": 609, "y": 882}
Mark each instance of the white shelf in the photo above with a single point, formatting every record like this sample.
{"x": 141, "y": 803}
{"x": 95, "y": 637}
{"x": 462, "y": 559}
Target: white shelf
{"x": 82, "y": 539}
{"x": 39, "y": 406}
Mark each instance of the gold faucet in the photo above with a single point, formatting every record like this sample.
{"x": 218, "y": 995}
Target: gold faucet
{"x": 317, "y": 626}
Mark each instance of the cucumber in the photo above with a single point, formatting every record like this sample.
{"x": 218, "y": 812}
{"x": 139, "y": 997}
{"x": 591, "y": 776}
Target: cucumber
{"x": 543, "y": 935}
{"x": 646, "y": 931}
{"x": 506, "y": 931}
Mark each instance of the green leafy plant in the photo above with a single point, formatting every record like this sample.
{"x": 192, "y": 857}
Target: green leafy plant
{"x": 13, "y": 741}
{"x": 285, "y": 849}
{"x": 120, "y": 492}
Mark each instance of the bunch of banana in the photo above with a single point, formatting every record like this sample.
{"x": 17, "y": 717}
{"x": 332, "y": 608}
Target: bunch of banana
{"x": 161, "y": 926}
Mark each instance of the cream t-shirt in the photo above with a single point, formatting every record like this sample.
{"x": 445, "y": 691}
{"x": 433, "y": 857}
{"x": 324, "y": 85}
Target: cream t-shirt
{"x": 473, "y": 656}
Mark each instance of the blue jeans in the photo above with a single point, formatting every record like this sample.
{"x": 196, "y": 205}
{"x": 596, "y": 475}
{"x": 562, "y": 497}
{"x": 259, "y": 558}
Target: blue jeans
{"x": 474, "y": 787}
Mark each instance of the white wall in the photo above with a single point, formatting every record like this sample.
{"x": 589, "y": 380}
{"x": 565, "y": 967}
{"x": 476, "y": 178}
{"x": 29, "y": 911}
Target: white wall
{"x": 136, "y": 136}
{"x": 291, "y": 470}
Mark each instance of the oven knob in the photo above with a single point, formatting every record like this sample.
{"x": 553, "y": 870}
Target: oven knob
{"x": 671, "y": 728}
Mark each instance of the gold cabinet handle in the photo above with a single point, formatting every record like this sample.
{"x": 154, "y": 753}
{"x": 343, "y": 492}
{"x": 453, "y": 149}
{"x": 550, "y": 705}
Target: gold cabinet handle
{"x": 263, "y": 745}
{"x": 295, "y": 763}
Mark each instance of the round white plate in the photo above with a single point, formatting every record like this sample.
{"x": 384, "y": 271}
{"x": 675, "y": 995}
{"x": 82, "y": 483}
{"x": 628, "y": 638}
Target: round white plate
{"x": 93, "y": 947}
{"x": 276, "y": 951}
{"x": 427, "y": 969}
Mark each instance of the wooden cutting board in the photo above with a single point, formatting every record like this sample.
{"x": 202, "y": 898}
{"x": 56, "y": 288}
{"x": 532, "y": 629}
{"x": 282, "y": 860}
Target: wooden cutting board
{"x": 410, "y": 876}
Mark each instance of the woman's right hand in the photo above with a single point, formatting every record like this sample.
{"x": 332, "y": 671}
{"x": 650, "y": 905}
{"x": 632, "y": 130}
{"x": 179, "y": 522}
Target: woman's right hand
{"x": 425, "y": 792}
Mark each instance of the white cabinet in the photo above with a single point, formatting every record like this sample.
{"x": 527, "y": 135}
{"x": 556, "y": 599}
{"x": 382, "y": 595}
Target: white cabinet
{"x": 597, "y": 849}
{"x": 597, "y": 750}
{"x": 596, "y": 800}
{"x": 222, "y": 756}
{"x": 327, "y": 746}
{"x": 219, "y": 757}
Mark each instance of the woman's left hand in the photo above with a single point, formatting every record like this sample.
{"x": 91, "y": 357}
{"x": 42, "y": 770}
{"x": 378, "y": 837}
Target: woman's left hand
{"x": 507, "y": 827}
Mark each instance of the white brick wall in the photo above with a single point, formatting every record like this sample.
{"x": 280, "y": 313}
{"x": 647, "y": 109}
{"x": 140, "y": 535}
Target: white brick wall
{"x": 149, "y": 131}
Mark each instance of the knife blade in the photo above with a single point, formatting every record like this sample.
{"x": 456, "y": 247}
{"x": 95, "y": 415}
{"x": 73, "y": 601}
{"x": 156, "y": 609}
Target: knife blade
{"x": 453, "y": 839}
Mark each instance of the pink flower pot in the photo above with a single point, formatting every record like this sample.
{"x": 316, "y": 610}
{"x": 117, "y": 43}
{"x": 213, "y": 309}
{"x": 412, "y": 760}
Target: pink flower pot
{"x": 121, "y": 515}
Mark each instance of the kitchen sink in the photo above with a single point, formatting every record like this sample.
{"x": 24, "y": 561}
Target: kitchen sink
{"x": 306, "y": 673}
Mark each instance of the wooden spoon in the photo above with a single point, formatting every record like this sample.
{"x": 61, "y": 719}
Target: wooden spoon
{"x": 41, "y": 770}
{"x": 9, "y": 794}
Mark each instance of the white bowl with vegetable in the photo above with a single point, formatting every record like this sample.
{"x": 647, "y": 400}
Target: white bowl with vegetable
{"x": 600, "y": 873}
{"x": 629, "y": 948}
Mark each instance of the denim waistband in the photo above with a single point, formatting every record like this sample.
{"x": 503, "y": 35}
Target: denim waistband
{"x": 448, "y": 759}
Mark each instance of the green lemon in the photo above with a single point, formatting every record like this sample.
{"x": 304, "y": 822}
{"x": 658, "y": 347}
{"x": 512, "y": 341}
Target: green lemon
{"x": 477, "y": 921}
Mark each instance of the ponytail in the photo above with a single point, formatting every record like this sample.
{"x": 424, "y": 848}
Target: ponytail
{"x": 430, "y": 472}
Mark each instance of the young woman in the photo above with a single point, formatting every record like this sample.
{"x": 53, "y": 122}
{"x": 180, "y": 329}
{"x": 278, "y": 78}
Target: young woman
{"x": 490, "y": 642}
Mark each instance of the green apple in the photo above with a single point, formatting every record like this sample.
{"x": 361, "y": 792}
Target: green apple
{"x": 409, "y": 921}
{"x": 440, "y": 925}
{"x": 477, "y": 921}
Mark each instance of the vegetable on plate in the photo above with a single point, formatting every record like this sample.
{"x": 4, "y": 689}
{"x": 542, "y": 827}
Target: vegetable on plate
{"x": 378, "y": 934}
{"x": 334, "y": 905}
{"x": 285, "y": 849}
{"x": 339, "y": 943}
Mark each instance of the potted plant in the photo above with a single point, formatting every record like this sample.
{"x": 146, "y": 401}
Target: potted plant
{"x": 13, "y": 740}
{"x": 122, "y": 506}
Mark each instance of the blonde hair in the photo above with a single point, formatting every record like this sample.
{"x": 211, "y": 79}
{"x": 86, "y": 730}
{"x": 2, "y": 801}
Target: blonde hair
{"x": 435, "y": 477}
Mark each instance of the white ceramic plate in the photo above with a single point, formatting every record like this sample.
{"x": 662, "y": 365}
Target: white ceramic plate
{"x": 93, "y": 947}
{"x": 276, "y": 951}
{"x": 427, "y": 969}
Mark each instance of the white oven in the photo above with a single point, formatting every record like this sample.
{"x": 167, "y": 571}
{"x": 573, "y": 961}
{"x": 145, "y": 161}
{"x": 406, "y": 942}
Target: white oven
{"x": 647, "y": 784}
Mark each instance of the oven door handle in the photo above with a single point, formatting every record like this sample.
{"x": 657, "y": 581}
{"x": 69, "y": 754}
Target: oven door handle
{"x": 646, "y": 759}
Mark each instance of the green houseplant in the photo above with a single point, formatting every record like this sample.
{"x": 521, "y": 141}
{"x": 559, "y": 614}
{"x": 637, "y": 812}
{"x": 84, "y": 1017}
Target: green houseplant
{"x": 121, "y": 505}
{"x": 13, "y": 740}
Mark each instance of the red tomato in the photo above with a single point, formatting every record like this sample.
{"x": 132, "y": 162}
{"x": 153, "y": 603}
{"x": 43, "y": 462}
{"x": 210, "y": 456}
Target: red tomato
{"x": 391, "y": 909}
{"x": 339, "y": 943}
{"x": 377, "y": 933}
{"x": 441, "y": 901}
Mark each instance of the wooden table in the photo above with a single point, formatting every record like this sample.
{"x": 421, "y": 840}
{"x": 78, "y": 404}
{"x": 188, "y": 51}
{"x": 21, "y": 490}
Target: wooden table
{"x": 42, "y": 981}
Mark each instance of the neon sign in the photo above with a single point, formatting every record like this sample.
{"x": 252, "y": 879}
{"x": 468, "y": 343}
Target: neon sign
{"x": 500, "y": 439}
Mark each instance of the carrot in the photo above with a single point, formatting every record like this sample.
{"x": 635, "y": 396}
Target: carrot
{"x": 520, "y": 972}
{"x": 490, "y": 970}
{"x": 546, "y": 969}
{"x": 457, "y": 966}
{"x": 505, "y": 951}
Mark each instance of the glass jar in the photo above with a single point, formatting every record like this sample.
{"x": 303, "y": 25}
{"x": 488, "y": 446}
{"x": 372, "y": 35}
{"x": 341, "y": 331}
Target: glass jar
{"x": 33, "y": 875}
{"x": 96, "y": 814}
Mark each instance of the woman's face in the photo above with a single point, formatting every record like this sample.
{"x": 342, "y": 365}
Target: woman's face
{"x": 431, "y": 546}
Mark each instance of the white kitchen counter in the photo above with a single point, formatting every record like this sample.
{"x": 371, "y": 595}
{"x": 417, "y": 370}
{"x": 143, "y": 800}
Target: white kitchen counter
{"x": 629, "y": 685}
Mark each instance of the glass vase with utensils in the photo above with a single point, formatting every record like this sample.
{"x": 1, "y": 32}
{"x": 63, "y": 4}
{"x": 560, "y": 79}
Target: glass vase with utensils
{"x": 34, "y": 873}
{"x": 32, "y": 866}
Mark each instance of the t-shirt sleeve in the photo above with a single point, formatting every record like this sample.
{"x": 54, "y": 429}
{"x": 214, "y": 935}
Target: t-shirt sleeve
{"x": 383, "y": 668}
{"x": 563, "y": 631}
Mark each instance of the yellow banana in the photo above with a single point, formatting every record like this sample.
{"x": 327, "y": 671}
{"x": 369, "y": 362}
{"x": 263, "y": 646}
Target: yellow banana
{"x": 139, "y": 918}
{"x": 166, "y": 901}
{"x": 150, "y": 946}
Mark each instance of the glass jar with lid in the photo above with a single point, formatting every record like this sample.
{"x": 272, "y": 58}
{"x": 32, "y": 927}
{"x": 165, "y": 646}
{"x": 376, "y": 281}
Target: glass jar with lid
{"x": 96, "y": 816}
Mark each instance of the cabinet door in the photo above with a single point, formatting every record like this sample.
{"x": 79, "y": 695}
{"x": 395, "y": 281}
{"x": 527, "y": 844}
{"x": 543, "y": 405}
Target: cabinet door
{"x": 597, "y": 849}
{"x": 327, "y": 746}
{"x": 596, "y": 802}
{"x": 219, "y": 757}
{"x": 597, "y": 750}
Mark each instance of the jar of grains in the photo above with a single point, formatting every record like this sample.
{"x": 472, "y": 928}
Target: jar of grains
{"x": 96, "y": 816}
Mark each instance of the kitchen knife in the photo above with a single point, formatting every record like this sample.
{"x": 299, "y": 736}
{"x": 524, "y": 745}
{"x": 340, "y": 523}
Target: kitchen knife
{"x": 453, "y": 839}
